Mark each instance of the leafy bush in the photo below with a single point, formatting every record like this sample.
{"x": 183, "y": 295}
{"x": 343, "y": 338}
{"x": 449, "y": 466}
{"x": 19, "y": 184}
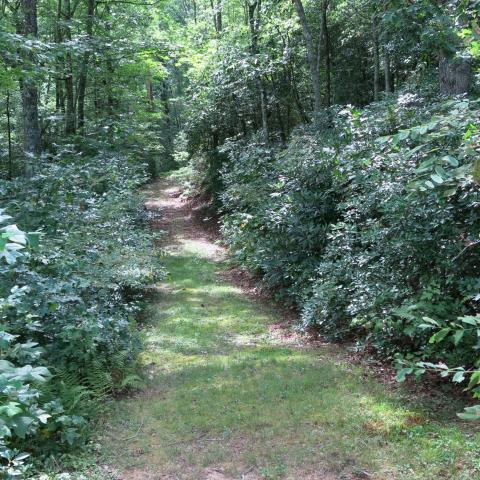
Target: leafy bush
{"x": 368, "y": 224}
{"x": 70, "y": 295}
{"x": 278, "y": 205}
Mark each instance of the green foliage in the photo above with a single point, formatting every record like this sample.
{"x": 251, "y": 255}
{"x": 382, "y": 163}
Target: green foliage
{"x": 369, "y": 228}
{"x": 70, "y": 296}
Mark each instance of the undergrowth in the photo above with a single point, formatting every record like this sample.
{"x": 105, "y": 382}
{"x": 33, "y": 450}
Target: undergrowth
{"x": 230, "y": 393}
{"x": 366, "y": 222}
{"x": 70, "y": 295}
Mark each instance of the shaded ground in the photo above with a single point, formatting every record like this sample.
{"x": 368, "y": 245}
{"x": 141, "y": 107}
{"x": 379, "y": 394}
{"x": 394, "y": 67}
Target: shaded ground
{"x": 233, "y": 395}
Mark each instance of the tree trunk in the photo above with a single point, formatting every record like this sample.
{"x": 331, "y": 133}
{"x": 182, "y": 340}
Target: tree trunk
{"x": 312, "y": 58}
{"x": 82, "y": 78}
{"x": 388, "y": 73}
{"x": 59, "y": 94}
{"x": 328, "y": 54}
{"x": 165, "y": 99}
{"x": 296, "y": 95}
{"x": 281, "y": 124}
{"x": 376, "y": 60}
{"x": 254, "y": 21}
{"x": 69, "y": 93}
{"x": 9, "y": 138}
{"x": 149, "y": 90}
{"x": 219, "y": 16}
{"x": 454, "y": 74}
{"x": 28, "y": 87}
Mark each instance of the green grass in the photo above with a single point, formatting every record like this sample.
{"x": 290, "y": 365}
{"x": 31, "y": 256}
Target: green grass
{"x": 226, "y": 394}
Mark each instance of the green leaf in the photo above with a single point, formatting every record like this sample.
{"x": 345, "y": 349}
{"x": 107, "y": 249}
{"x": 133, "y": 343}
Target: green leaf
{"x": 10, "y": 409}
{"x": 440, "y": 335}
{"x": 451, "y": 160}
{"x": 436, "y": 178}
{"x": 475, "y": 321}
{"x": 431, "y": 320}
{"x": 403, "y": 134}
{"x": 33, "y": 239}
{"x": 402, "y": 374}
{"x": 458, "y": 335}
{"x": 22, "y": 425}
{"x": 474, "y": 379}
{"x": 471, "y": 413}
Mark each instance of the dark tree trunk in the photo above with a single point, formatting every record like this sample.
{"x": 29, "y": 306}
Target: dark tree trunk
{"x": 296, "y": 95}
{"x": 376, "y": 60}
{"x": 9, "y": 138}
{"x": 281, "y": 124}
{"x": 454, "y": 74}
{"x": 28, "y": 87}
{"x": 83, "y": 75}
{"x": 217, "y": 15}
{"x": 110, "y": 98}
{"x": 254, "y": 21}
{"x": 59, "y": 93}
{"x": 149, "y": 90}
{"x": 69, "y": 92}
{"x": 328, "y": 55}
{"x": 388, "y": 72}
{"x": 311, "y": 56}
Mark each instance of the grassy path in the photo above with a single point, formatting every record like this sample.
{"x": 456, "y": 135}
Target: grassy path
{"x": 230, "y": 398}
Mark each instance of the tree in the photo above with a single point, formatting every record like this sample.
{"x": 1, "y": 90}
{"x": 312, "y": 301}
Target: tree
{"x": 28, "y": 85}
{"x": 313, "y": 56}
{"x": 254, "y": 21}
{"x": 454, "y": 74}
{"x": 82, "y": 77}
{"x": 70, "y": 125}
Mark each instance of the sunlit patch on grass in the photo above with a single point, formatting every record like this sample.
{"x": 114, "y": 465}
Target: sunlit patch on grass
{"x": 223, "y": 393}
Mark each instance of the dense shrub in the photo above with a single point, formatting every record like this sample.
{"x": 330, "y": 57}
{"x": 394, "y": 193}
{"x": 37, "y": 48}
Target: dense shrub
{"x": 70, "y": 295}
{"x": 369, "y": 225}
{"x": 278, "y": 205}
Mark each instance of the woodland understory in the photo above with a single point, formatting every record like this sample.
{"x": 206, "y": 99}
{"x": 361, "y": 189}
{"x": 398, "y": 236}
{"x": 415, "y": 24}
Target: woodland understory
{"x": 337, "y": 141}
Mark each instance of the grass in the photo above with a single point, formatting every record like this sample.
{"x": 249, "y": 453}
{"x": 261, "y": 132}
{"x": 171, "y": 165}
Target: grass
{"x": 224, "y": 395}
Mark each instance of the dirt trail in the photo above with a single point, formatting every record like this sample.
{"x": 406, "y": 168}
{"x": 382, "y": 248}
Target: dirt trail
{"x": 176, "y": 217}
{"x": 234, "y": 395}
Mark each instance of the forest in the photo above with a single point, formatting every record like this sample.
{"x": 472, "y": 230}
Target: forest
{"x": 335, "y": 142}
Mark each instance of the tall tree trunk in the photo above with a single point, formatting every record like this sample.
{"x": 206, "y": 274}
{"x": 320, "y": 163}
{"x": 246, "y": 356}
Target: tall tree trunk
{"x": 149, "y": 90}
{"x": 59, "y": 94}
{"x": 83, "y": 74}
{"x": 376, "y": 60}
{"x": 165, "y": 95}
{"x": 388, "y": 72}
{"x": 328, "y": 54}
{"x": 110, "y": 98}
{"x": 454, "y": 74}
{"x": 311, "y": 56}
{"x": 9, "y": 137}
{"x": 254, "y": 21}
{"x": 28, "y": 87}
{"x": 217, "y": 15}
{"x": 281, "y": 124}
{"x": 69, "y": 92}
{"x": 296, "y": 95}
